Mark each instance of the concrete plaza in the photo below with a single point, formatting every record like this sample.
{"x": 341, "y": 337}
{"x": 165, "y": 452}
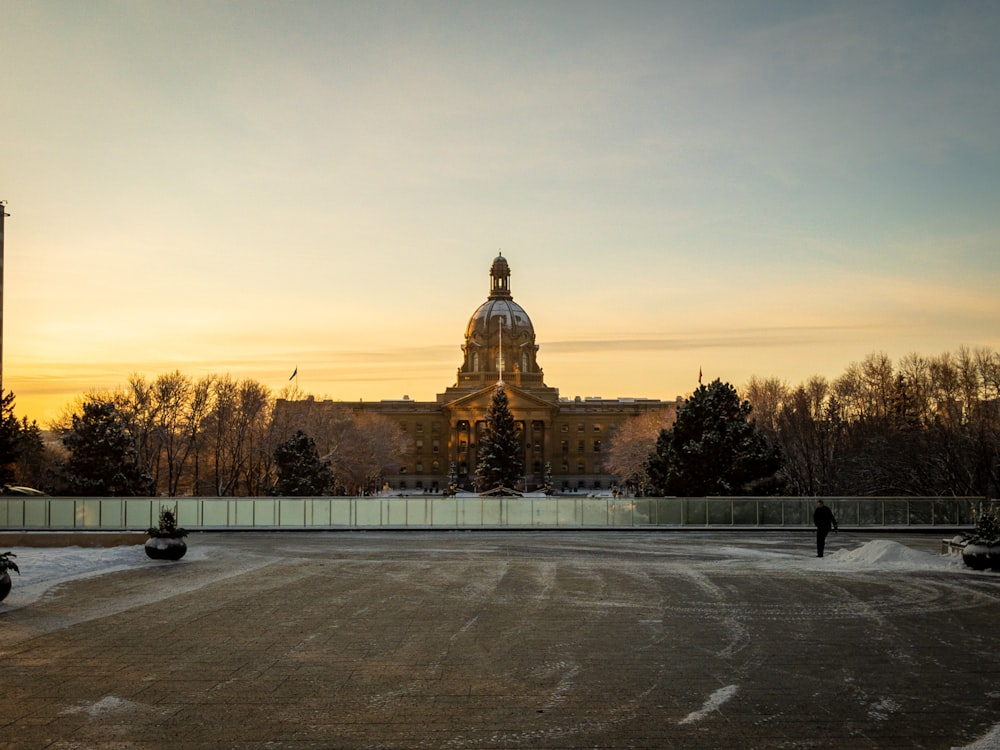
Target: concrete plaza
{"x": 506, "y": 640}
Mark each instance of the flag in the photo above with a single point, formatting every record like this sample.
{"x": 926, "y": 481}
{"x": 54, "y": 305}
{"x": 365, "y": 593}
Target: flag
{"x": 699, "y": 376}
{"x": 294, "y": 374}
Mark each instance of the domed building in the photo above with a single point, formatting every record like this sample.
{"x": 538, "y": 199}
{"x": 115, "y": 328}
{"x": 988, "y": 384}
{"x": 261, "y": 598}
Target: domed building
{"x": 564, "y": 440}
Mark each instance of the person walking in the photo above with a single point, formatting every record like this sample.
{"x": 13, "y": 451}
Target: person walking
{"x": 824, "y": 521}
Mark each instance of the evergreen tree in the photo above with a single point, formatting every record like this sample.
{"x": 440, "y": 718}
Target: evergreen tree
{"x": 713, "y": 448}
{"x": 301, "y": 472}
{"x": 10, "y": 433}
{"x": 500, "y": 459}
{"x": 103, "y": 458}
{"x": 23, "y": 458}
{"x": 34, "y": 467}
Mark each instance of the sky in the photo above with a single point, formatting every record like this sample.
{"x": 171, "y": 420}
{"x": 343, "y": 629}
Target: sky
{"x": 741, "y": 188}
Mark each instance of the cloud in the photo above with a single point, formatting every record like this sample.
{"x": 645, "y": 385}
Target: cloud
{"x": 736, "y": 338}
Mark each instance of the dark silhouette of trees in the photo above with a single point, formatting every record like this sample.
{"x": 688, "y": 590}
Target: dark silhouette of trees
{"x": 103, "y": 456}
{"x": 23, "y": 457}
{"x": 236, "y": 432}
{"x": 10, "y": 432}
{"x": 301, "y": 472}
{"x": 920, "y": 426}
{"x": 712, "y": 448}
{"x": 925, "y": 426}
{"x": 500, "y": 457}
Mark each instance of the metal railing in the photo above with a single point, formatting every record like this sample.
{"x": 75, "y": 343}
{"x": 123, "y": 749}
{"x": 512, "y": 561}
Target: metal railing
{"x": 439, "y": 512}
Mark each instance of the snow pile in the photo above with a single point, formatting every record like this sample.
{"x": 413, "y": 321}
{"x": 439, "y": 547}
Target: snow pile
{"x": 886, "y": 554}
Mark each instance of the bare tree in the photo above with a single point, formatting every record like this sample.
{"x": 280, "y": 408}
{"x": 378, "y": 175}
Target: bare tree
{"x": 368, "y": 447}
{"x": 237, "y": 428}
{"x": 631, "y": 445}
{"x": 767, "y": 397}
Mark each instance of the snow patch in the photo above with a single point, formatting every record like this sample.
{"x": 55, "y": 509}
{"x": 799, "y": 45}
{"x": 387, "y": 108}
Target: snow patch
{"x": 42, "y": 568}
{"x": 715, "y": 700}
{"x": 883, "y": 709}
{"x": 109, "y": 704}
{"x": 989, "y": 741}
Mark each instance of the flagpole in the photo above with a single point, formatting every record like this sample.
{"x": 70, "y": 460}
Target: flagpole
{"x": 501, "y": 319}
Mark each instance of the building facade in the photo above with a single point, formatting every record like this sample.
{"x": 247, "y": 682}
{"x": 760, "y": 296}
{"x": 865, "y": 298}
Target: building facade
{"x": 564, "y": 441}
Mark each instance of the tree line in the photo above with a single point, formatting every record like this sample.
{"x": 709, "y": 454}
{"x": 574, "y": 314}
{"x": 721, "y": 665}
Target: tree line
{"x": 173, "y": 435}
{"x": 922, "y": 426}
{"x": 925, "y": 426}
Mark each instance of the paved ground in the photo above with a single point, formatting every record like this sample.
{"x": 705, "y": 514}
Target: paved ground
{"x": 504, "y": 640}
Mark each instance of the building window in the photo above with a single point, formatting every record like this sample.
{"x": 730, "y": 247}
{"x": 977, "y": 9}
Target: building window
{"x": 597, "y": 428}
{"x": 580, "y": 427}
{"x": 565, "y": 467}
{"x": 565, "y": 446}
{"x": 420, "y": 467}
{"x": 597, "y": 446}
{"x": 420, "y": 428}
{"x": 564, "y": 427}
{"x": 435, "y": 446}
{"x": 419, "y": 445}
{"x": 435, "y": 428}
{"x": 579, "y": 446}
{"x": 580, "y": 468}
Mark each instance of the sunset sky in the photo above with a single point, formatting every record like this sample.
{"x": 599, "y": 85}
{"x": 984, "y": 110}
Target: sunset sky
{"x": 769, "y": 188}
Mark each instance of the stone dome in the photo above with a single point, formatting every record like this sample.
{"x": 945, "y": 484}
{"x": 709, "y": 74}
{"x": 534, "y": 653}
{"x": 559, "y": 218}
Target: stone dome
{"x": 493, "y": 313}
{"x": 499, "y": 338}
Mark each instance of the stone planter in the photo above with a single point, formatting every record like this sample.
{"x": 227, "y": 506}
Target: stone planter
{"x": 981, "y": 556}
{"x": 165, "y": 547}
{"x": 5, "y": 584}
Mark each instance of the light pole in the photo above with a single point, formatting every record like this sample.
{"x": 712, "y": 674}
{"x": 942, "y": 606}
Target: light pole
{"x": 3, "y": 215}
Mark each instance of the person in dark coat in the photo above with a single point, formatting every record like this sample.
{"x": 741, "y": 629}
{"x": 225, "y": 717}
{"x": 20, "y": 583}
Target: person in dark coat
{"x": 824, "y": 520}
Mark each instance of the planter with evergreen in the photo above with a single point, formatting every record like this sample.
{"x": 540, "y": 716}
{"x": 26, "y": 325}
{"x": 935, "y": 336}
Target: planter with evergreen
{"x": 6, "y": 564}
{"x": 982, "y": 551}
{"x": 166, "y": 541}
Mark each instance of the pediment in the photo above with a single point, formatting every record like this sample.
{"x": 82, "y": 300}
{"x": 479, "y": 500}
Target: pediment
{"x": 519, "y": 400}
